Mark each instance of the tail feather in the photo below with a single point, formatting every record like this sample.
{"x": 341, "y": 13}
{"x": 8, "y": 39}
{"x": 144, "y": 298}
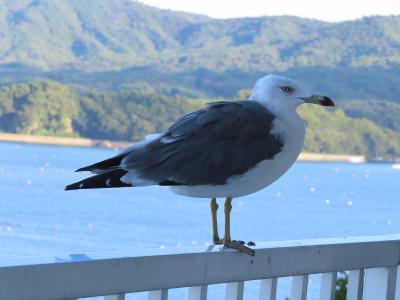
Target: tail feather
{"x": 104, "y": 165}
{"x": 111, "y": 179}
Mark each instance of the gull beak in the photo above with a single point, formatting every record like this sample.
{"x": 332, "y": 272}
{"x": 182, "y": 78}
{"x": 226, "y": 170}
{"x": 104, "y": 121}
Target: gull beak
{"x": 317, "y": 99}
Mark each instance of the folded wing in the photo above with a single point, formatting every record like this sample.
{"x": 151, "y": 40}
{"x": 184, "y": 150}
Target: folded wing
{"x": 205, "y": 147}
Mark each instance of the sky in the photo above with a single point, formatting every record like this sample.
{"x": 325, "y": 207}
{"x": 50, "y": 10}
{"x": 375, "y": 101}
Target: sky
{"x": 327, "y": 10}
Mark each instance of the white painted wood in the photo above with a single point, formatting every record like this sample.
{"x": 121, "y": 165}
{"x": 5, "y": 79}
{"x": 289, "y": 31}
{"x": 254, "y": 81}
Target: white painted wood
{"x": 198, "y": 292}
{"x": 355, "y": 285}
{"x": 158, "y": 295}
{"x": 268, "y": 289}
{"x": 234, "y": 290}
{"x": 115, "y": 297}
{"x": 397, "y": 294}
{"x": 299, "y": 287}
{"x": 328, "y": 286}
{"x": 380, "y": 283}
{"x": 99, "y": 274}
{"x": 391, "y": 284}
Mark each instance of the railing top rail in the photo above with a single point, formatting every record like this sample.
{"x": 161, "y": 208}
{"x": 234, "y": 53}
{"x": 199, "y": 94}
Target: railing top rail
{"x": 14, "y": 261}
{"x": 84, "y": 275}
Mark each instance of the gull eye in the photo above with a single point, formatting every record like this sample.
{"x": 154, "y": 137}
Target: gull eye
{"x": 287, "y": 89}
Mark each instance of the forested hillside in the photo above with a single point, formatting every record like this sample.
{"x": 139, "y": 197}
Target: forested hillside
{"x": 102, "y": 34}
{"x": 384, "y": 113}
{"x": 120, "y": 69}
{"x": 42, "y": 108}
{"x": 107, "y": 45}
{"x": 50, "y": 108}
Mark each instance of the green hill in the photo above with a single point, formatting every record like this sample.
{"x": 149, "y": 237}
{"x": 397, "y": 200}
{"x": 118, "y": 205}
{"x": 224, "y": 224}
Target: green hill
{"x": 41, "y": 108}
{"x": 97, "y": 34}
{"x": 334, "y": 132}
{"x": 115, "y": 65}
{"x": 50, "y": 108}
{"x": 117, "y": 34}
{"x": 108, "y": 45}
{"x": 385, "y": 114}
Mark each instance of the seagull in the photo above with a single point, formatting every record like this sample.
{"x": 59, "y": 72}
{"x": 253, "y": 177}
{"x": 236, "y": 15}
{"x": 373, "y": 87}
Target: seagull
{"x": 227, "y": 149}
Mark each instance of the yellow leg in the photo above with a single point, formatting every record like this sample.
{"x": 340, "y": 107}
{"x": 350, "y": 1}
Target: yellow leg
{"x": 227, "y": 210}
{"x": 214, "y": 209}
{"x": 227, "y": 239}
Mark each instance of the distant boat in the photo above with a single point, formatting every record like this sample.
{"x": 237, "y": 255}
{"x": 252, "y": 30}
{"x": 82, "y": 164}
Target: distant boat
{"x": 396, "y": 166}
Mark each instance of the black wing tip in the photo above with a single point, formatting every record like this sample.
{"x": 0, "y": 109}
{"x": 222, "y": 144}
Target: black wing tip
{"x": 71, "y": 187}
{"x": 105, "y": 165}
{"x": 84, "y": 169}
{"x": 169, "y": 183}
{"x": 77, "y": 185}
{"x": 111, "y": 179}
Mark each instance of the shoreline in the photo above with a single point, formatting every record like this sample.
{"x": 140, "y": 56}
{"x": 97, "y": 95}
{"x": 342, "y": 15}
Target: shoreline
{"x": 61, "y": 141}
{"x": 84, "y": 142}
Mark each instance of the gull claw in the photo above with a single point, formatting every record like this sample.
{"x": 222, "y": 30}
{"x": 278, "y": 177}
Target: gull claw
{"x": 240, "y": 247}
{"x": 238, "y": 242}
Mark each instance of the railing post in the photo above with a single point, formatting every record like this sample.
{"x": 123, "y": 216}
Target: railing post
{"x": 355, "y": 285}
{"x": 234, "y": 290}
{"x": 380, "y": 283}
{"x": 158, "y": 295}
{"x": 397, "y": 292}
{"x": 268, "y": 289}
{"x": 198, "y": 292}
{"x": 299, "y": 287}
{"x": 328, "y": 286}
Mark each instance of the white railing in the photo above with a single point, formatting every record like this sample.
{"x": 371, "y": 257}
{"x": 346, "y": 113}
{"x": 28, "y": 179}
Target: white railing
{"x": 372, "y": 263}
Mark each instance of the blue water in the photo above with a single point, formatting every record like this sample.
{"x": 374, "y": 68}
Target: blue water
{"x": 313, "y": 200}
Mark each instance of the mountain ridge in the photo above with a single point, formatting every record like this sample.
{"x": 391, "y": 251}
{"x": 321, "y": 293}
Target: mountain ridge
{"x": 115, "y": 35}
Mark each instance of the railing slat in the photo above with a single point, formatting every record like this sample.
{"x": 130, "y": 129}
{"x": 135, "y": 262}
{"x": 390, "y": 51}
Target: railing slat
{"x": 328, "y": 286}
{"x": 158, "y": 295}
{"x": 234, "y": 290}
{"x": 115, "y": 297}
{"x": 99, "y": 274}
{"x": 355, "y": 285}
{"x": 268, "y": 289}
{"x": 299, "y": 287}
{"x": 380, "y": 283}
{"x": 198, "y": 292}
{"x": 397, "y": 293}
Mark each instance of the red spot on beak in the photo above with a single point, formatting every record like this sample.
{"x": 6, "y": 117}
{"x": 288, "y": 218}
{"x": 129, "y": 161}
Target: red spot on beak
{"x": 327, "y": 102}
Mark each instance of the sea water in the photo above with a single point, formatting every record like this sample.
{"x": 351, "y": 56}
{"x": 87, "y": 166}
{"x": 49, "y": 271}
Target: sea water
{"x": 312, "y": 200}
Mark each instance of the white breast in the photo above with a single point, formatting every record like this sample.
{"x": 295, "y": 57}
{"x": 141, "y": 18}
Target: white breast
{"x": 292, "y": 131}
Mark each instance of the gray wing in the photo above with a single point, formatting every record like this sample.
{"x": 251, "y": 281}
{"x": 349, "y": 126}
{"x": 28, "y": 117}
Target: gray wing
{"x": 207, "y": 146}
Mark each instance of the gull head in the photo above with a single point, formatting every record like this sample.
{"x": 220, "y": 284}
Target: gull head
{"x": 281, "y": 94}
